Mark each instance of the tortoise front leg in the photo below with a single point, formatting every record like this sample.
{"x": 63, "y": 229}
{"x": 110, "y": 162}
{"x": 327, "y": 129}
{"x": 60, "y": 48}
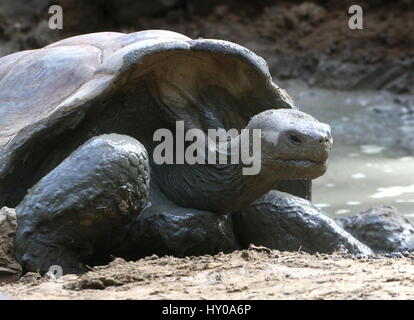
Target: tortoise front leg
{"x": 285, "y": 222}
{"x": 82, "y": 208}
{"x": 164, "y": 228}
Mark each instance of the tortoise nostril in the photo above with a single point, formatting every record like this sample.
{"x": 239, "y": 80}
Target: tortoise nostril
{"x": 325, "y": 141}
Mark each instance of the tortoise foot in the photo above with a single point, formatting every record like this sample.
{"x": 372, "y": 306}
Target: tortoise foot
{"x": 284, "y": 222}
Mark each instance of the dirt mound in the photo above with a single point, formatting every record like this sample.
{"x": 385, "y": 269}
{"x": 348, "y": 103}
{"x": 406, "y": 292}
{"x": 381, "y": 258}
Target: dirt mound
{"x": 257, "y": 273}
{"x": 10, "y": 270}
{"x": 299, "y": 39}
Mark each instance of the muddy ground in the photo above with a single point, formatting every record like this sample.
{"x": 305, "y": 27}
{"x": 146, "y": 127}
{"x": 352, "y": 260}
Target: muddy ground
{"x": 309, "y": 40}
{"x": 257, "y": 273}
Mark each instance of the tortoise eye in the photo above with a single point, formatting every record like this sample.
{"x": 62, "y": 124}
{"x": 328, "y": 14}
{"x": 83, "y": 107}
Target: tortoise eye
{"x": 294, "y": 139}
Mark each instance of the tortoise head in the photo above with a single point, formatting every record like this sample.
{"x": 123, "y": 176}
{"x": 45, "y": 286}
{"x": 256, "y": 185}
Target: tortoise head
{"x": 294, "y": 144}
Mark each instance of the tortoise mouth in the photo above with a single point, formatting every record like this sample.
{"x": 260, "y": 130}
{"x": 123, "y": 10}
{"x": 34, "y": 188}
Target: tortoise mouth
{"x": 302, "y": 162}
{"x": 298, "y": 162}
{"x": 300, "y": 168}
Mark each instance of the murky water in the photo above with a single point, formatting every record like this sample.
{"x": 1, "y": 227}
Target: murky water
{"x": 372, "y": 162}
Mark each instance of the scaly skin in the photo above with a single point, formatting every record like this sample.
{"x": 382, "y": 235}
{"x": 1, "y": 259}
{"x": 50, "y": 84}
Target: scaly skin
{"x": 82, "y": 209}
{"x": 294, "y": 145}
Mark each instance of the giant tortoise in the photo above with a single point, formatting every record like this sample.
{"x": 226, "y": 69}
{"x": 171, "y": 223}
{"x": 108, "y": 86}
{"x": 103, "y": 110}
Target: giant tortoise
{"x": 77, "y": 139}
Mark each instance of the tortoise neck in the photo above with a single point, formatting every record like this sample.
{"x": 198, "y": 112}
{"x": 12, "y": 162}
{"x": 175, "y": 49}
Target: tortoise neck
{"x": 235, "y": 190}
{"x": 216, "y": 188}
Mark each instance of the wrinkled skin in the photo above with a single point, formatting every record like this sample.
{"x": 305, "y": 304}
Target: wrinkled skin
{"x": 285, "y": 222}
{"x": 107, "y": 212}
{"x": 80, "y": 210}
{"x": 294, "y": 145}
